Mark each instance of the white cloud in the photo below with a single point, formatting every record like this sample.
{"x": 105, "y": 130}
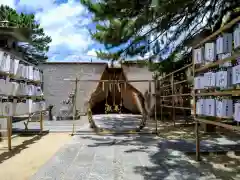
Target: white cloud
{"x": 65, "y": 23}
{"x": 92, "y": 52}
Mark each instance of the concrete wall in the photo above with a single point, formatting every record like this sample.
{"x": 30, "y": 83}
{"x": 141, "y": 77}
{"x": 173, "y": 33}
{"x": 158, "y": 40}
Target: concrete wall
{"x": 56, "y": 89}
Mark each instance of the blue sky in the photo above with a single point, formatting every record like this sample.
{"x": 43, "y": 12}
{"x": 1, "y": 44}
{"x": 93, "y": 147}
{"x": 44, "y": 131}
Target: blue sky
{"x": 67, "y": 22}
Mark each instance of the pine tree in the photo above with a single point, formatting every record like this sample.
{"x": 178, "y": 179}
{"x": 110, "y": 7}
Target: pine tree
{"x": 36, "y": 51}
{"x": 164, "y": 26}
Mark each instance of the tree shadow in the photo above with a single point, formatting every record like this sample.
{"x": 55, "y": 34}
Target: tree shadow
{"x": 174, "y": 159}
{"x": 25, "y": 144}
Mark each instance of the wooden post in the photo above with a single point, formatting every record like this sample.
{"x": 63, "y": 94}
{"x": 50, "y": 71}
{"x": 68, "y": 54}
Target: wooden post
{"x": 161, "y": 102}
{"x": 9, "y": 132}
{"x": 173, "y": 106}
{"x": 155, "y": 108}
{"x": 197, "y": 138}
{"x": 41, "y": 122}
{"x": 74, "y": 106}
{"x": 150, "y": 98}
{"x": 114, "y": 94}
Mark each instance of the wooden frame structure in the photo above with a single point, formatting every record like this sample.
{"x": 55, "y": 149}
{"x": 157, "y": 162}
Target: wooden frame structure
{"x": 236, "y": 92}
{"x": 170, "y": 78}
{"x": 113, "y": 81}
{"x": 173, "y": 94}
{"x": 9, "y": 136}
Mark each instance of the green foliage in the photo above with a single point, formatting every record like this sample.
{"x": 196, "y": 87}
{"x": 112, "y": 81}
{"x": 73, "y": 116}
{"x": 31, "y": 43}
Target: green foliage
{"x": 173, "y": 24}
{"x": 36, "y": 52}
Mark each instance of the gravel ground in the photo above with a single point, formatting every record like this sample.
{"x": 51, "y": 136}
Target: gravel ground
{"x": 28, "y": 155}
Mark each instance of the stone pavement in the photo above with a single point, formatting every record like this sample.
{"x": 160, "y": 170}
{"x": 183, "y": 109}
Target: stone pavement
{"x": 123, "y": 157}
{"x": 95, "y": 157}
{"x": 54, "y": 126}
{"x": 109, "y": 157}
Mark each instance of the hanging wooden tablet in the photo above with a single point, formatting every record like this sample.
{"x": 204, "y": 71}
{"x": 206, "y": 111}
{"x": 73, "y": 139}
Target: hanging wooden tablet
{"x": 236, "y": 75}
{"x": 2, "y": 85}
{"x": 210, "y": 107}
{"x": 213, "y": 79}
{"x": 8, "y": 86}
{"x": 229, "y": 107}
{"x": 29, "y": 103}
{"x": 224, "y": 78}
{"x": 30, "y": 72}
{"x": 224, "y": 56}
{"x": 210, "y": 52}
{"x": 1, "y": 59}
{"x": 1, "y": 108}
{"x": 19, "y": 71}
{"x": 17, "y": 111}
{"x": 236, "y": 37}
{"x": 13, "y": 84}
{"x": 202, "y": 106}
{"x": 197, "y": 84}
{"x": 198, "y": 107}
{"x": 224, "y": 43}
{"x": 7, "y": 107}
{"x": 219, "y": 45}
{"x": 237, "y": 111}
{"x": 198, "y": 55}
{"x": 219, "y": 108}
{"x": 206, "y": 80}
{"x": 6, "y": 63}
{"x": 12, "y": 59}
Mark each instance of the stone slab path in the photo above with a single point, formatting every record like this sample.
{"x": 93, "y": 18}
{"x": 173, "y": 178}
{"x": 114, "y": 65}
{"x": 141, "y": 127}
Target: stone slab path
{"x": 123, "y": 157}
{"x": 95, "y": 157}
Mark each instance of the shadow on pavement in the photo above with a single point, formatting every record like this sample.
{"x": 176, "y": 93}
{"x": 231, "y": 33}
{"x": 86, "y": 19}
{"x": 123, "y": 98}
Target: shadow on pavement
{"x": 170, "y": 159}
{"x": 17, "y": 149}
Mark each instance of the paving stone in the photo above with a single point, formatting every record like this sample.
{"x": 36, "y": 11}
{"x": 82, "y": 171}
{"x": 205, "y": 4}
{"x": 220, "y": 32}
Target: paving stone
{"x": 56, "y": 166}
{"x": 77, "y": 173}
{"x": 121, "y": 157}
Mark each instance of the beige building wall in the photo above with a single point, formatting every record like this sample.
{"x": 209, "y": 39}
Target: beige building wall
{"x": 56, "y": 89}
